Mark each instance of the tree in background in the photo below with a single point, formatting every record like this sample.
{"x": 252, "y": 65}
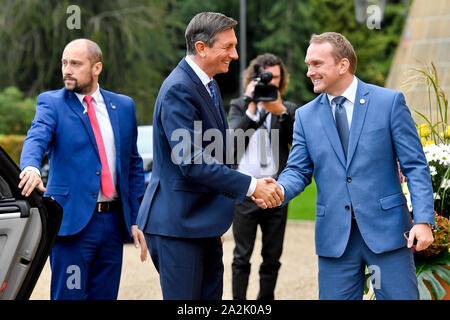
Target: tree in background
{"x": 16, "y": 111}
{"x": 135, "y": 36}
{"x": 143, "y": 40}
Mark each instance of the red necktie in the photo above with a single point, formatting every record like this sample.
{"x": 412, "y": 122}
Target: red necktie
{"x": 106, "y": 181}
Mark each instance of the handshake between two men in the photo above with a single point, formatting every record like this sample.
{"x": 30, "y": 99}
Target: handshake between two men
{"x": 268, "y": 193}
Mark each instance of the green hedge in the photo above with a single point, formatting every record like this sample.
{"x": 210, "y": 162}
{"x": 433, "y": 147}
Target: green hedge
{"x": 12, "y": 144}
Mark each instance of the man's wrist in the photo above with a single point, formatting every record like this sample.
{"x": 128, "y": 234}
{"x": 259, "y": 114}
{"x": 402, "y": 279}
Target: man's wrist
{"x": 247, "y": 99}
{"x": 31, "y": 168}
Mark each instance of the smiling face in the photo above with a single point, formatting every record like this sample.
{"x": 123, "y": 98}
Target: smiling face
{"x": 79, "y": 74}
{"x": 327, "y": 75}
{"x": 216, "y": 59}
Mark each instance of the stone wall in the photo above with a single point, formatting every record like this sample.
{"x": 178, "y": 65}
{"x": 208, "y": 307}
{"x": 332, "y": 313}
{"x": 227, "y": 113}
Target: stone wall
{"x": 425, "y": 39}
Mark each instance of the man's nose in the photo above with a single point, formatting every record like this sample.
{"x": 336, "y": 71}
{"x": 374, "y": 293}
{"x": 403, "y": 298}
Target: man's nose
{"x": 234, "y": 55}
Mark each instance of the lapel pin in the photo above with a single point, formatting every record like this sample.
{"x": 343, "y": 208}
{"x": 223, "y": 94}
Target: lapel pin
{"x": 112, "y": 106}
{"x": 362, "y": 101}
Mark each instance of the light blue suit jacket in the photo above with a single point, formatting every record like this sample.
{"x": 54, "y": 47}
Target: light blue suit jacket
{"x": 62, "y": 129}
{"x": 381, "y": 132}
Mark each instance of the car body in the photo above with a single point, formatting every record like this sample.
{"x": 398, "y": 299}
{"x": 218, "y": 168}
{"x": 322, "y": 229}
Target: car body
{"x": 145, "y": 149}
{"x": 28, "y": 229}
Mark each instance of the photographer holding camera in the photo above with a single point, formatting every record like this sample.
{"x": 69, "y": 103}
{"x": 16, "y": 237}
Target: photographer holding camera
{"x": 261, "y": 109}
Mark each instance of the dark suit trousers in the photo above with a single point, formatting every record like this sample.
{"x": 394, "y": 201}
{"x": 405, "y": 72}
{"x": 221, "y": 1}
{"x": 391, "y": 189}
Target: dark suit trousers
{"x": 87, "y": 266}
{"x": 189, "y": 268}
{"x": 247, "y": 217}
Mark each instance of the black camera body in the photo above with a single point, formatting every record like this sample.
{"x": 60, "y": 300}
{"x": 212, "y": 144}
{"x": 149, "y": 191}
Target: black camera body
{"x": 264, "y": 91}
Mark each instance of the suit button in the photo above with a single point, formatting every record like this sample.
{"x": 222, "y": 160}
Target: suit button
{"x": 347, "y": 208}
{"x": 349, "y": 179}
{"x": 94, "y": 195}
{"x": 97, "y": 172}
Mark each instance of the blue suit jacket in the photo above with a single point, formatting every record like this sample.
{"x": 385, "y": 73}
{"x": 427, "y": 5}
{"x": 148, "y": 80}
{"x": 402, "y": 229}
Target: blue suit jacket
{"x": 382, "y": 131}
{"x": 62, "y": 129}
{"x": 185, "y": 199}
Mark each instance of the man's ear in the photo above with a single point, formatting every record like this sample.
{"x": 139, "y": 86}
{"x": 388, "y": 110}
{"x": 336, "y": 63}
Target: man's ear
{"x": 344, "y": 65}
{"x": 200, "y": 47}
{"x": 98, "y": 66}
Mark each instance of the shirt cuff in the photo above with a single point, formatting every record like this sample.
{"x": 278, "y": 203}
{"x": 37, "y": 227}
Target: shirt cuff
{"x": 253, "y": 117}
{"x": 30, "y": 168}
{"x": 252, "y": 187}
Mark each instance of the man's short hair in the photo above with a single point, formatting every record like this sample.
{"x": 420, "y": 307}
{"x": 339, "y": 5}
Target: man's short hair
{"x": 204, "y": 27}
{"x": 342, "y": 48}
{"x": 267, "y": 60}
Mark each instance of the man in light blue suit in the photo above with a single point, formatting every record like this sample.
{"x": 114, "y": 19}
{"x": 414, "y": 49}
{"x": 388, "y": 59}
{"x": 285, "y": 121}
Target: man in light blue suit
{"x": 189, "y": 202}
{"x": 96, "y": 175}
{"x": 351, "y": 137}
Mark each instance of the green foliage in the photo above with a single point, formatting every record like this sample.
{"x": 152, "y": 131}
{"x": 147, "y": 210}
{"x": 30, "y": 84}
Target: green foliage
{"x": 427, "y": 271}
{"x": 143, "y": 40}
{"x": 16, "y": 112}
{"x": 12, "y": 144}
{"x": 303, "y": 207}
{"x": 136, "y": 38}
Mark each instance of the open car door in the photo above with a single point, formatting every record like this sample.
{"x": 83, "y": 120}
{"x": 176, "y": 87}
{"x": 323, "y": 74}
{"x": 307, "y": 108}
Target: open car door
{"x": 28, "y": 228}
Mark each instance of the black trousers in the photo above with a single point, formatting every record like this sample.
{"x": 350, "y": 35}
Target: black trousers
{"x": 247, "y": 217}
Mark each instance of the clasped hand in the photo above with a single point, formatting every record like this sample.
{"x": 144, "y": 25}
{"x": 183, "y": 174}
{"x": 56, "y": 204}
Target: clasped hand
{"x": 268, "y": 193}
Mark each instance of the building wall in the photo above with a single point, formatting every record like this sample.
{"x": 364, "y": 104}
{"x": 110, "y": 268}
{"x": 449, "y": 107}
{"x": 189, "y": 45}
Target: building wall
{"x": 425, "y": 39}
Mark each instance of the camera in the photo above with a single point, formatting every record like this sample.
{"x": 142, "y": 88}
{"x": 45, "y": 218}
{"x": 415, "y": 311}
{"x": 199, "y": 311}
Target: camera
{"x": 264, "y": 91}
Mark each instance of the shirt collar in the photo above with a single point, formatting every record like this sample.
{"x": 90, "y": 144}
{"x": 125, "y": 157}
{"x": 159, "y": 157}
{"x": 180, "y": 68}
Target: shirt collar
{"x": 97, "y": 95}
{"x": 204, "y": 78}
{"x": 349, "y": 93}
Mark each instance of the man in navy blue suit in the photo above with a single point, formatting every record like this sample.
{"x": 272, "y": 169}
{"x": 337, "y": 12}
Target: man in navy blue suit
{"x": 351, "y": 137}
{"x": 189, "y": 202}
{"x": 96, "y": 175}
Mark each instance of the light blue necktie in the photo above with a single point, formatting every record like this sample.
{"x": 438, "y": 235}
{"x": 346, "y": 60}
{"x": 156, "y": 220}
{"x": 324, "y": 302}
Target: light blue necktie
{"x": 340, "y": 116}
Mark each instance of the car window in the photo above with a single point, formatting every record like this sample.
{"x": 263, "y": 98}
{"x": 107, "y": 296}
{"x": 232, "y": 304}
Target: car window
{"x": 145, "y": 140}
{"x": 5, "y": 191}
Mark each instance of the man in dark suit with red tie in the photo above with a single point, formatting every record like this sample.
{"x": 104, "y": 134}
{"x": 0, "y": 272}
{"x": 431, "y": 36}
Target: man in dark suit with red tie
{"x": 96, "y": 175}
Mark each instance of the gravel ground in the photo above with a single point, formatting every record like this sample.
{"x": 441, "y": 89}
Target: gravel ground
{"x": 297, "y": 278}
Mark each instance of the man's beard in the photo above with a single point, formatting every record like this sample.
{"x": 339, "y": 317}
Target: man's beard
{"x": 78, "y": 88}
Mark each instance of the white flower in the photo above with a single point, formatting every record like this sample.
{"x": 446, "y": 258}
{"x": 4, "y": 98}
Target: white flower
{"x": 408, "y": 201}
{"x": 436, "y": 196}
{"x": 445, "y": 184}
{"x": 433, "y": 171}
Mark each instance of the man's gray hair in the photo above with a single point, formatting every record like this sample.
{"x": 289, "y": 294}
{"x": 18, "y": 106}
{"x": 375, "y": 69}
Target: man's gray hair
{"x": 204, "y": 27}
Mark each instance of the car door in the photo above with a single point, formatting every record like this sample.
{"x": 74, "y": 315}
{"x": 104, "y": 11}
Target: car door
{"x": 28, "y": 228}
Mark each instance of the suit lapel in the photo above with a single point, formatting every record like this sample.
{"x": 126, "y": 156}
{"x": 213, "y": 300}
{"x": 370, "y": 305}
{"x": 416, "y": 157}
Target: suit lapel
{"x": 114, "y": 119}
{"x": 329, "y": 127}
{"x": 210, "y": 107}
{"x": 359, "y": 114}
{"x": 78, "y": 109}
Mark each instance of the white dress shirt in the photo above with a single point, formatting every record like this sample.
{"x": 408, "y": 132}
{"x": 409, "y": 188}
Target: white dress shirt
{"x": 250, "y": 162}
{"x": 107, "y": 135}
{"x": 350, "y": 94}
{"x": 205, "y": 79}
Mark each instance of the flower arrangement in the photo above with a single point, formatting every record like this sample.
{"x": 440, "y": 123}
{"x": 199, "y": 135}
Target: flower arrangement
{"x": 435, "y": 137}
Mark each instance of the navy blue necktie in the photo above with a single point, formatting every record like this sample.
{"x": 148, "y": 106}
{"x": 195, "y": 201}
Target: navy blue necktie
{"x": 340, "y": 116}
{"x": 212, "y": 89}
